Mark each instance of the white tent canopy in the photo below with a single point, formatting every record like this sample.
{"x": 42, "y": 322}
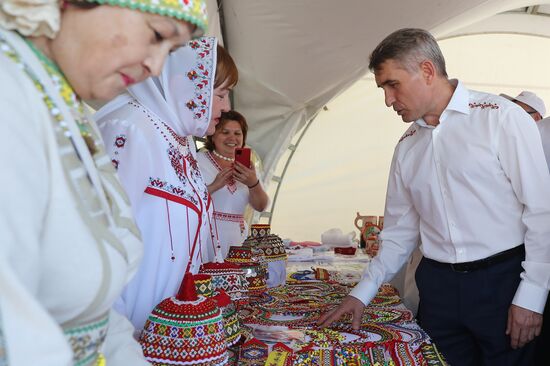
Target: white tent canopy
{"x": 296, "y": 56}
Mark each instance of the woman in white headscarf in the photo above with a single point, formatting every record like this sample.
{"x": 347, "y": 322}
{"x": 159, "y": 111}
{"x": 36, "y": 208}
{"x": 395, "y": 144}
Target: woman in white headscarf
{"x": 68, "y": 244}
{"x": 145, "y": 132}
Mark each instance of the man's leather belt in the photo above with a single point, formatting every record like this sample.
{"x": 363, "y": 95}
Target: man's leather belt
{"x": 466, "y": 267}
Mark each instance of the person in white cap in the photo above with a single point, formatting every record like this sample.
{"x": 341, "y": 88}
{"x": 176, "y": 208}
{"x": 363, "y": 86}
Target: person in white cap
{"x": 530, "y": 102}
{"x": 534, "y": 105}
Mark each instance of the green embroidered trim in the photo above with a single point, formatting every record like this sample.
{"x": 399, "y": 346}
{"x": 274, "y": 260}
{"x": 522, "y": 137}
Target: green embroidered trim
{"x": 88, "y": 327}
{"x": 68, "y": 95}
{"x": 184, "y": 324}
{"x": 194, "y": 13}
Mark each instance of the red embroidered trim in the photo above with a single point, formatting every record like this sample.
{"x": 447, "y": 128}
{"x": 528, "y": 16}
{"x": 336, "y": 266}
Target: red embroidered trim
{"x": 224, "y": 216}
{"x": 484, "y": 105}
{"x": 408, "y": 134}
{"x": 173, "y": 198}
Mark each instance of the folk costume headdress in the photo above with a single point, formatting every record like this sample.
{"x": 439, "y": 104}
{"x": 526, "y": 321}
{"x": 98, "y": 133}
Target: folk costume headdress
{"x": 182, "y": 95}
{"x": 181, "y": 100}
{"x": 42, "y": 17}
{"x": 272, "y": 249}
{"x": 146, "y": 130}
{"x": 185, "y": 330}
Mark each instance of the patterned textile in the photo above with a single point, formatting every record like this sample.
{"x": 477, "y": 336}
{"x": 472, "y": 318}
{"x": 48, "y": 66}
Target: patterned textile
{"x": 86, "y": 341}
{"x": 185, "y": 333}
{"x": 253, "y": 265}
{"x": 93, "y": 184}
{"x": 192, "y": 11}
{"x": 228, "y": 277}
{"x": 270, "y": 246}
{"x": 203, "y": 285}
{"x": 253, "y": 353}
{"x": 260, "y": 230}
{"x": 271, "y": 250}
{"x": 231, "y": 324}
{"x": 388, "y": 334}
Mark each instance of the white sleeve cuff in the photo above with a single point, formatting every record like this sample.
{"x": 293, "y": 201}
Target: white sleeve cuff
{"x": 365, "y": 291}
{"x": 531, "y": 297}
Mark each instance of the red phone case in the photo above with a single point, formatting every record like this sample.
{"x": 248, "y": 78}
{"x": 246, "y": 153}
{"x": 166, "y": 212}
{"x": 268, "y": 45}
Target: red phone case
{"x": 242, "y": 155}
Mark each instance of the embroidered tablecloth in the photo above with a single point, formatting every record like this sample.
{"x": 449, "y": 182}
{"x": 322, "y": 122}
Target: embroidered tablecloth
{"x": 389, "y": 335}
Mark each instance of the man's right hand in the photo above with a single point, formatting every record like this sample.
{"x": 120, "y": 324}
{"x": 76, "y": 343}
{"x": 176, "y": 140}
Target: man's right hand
{"x": 350, "y": 305}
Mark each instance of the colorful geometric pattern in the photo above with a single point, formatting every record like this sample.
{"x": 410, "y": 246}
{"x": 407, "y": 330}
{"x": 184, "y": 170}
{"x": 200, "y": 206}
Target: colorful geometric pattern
{"x": 253, "y": 266}
{"x": 185, "y": 333}
{"x": 86, "y": 340}
{"x": 192, "y": 11}
{"x": 203, "y": 284}
{"x": 228, "y": 277}
{"x": 231, "y": 324}
{"x": 253, "y": 353}
{"x": 270, "y": 246}
{"x": 388, "y": 334}
{"x": 260, "y": 230}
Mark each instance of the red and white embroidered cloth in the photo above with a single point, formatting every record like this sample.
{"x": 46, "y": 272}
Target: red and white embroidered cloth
{"x": 145, "y": 134}
{"x": 229, "y": 204}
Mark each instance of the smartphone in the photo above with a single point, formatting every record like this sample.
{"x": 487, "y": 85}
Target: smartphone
{"x": 242, "y": 155}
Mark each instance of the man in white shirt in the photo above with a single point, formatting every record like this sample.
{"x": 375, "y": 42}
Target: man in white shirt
{"x": 468, "y": 180}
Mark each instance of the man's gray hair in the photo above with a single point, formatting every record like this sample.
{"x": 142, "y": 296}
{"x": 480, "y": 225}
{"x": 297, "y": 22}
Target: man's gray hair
{"x": 410, "y": 47}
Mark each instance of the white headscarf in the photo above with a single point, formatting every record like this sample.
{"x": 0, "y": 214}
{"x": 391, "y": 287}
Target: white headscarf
{"x": 182, "y": 96}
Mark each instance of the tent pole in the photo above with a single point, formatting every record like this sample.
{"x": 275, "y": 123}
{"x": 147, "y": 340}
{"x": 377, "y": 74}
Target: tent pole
{"x": 279, "y": 179}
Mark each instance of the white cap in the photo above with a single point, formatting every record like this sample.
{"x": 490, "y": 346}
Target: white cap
{"x": 530, "y": 99}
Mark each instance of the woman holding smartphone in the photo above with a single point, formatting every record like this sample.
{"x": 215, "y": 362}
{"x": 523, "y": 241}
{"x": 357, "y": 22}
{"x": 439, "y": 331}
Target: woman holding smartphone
{"x": 232, "y": 182}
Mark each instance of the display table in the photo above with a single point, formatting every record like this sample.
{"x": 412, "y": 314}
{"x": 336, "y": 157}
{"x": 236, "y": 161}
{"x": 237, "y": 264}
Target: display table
{"x": 280, "y": 325}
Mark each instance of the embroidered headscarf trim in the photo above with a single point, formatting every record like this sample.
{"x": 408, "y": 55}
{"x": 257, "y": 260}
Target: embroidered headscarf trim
{"x": 42, "y": 17}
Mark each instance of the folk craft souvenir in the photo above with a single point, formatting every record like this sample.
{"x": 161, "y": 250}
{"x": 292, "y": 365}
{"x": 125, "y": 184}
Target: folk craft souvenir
{"x": 272, "y": 249}
{"x": 253, "y": 353}
{"x": 229, "y": 277}
{"x": 185, "y": 330}
{"x": 231, "y": 322}
{"x": 280, "y": 355}
{"x": 254, "y": 268}
{"x": 203, "y": 285}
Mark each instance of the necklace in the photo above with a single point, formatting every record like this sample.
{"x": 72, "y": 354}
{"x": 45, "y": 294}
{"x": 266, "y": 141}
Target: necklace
{"x": 69, "y": 97}
{"x": 221, "y": 156}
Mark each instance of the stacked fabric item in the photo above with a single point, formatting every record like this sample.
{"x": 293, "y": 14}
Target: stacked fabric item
{"x": 272, "y": 249}
{"x": 231, "y": 324}
{"x": 186, "y": 329}
{"x": 229, "y": 277}
{"x": 253, "y": 265}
